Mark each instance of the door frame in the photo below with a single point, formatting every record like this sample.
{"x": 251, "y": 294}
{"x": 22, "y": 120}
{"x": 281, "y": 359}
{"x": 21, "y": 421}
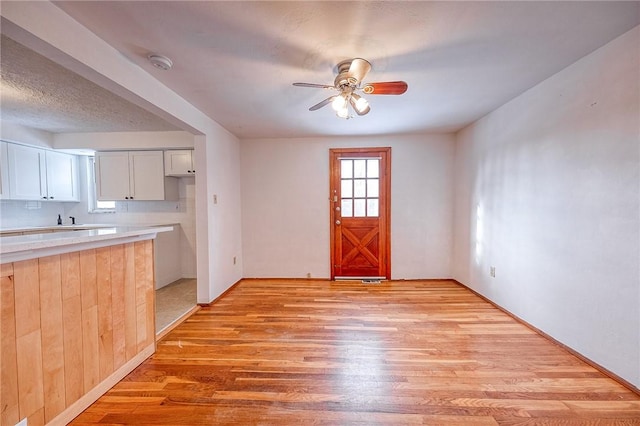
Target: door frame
{"x": 385, "y": 214}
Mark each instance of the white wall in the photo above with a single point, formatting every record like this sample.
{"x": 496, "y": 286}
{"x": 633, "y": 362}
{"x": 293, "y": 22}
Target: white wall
{"x": 11, "y": 132}
{"x": 547, "y": 191}
{"x": 285, "y": 209}
{"x": 100, "y": 141}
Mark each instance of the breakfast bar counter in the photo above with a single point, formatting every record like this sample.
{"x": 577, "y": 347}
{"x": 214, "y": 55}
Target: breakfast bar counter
{"x": 22, "y": 247}
{"x": 77, "y": 316}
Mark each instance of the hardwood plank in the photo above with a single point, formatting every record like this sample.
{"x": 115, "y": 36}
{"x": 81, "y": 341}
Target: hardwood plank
{"x": 150, "y": 320}
{"x": 52, "y": 337}
{"x": 37, "y": 418}
{"x": 9, "y": 414}
{"x": 141, "y": 293}
{"x": 90, "y": 336}
{"x": 315, "y": 352}
{"x": 88, "y": 277}
{"x": 27, "y": 297}
{"x": 73, "y": 350}
{"x": 6, "y": 270}
{"x": 130, "y": 313}
{"x": 105, "y": 316}
{"x": 118, "y": 305}
{"x": 70, "y": 273}
{"x": 31, "y": 386}
{"x": 28, "y": 337}
{"x": 72, "y": 320}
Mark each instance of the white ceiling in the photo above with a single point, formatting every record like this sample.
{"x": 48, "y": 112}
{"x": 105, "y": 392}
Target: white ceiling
{"x": 236, "y": 61}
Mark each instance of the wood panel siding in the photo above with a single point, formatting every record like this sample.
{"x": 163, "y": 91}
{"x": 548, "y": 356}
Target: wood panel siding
{"x": 63, "y": 328}
{"x": 405, "y": 352}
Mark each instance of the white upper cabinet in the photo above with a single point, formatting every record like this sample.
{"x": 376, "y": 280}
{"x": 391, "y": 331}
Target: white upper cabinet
{"x": 4, "y": 171}
{"x": 179, "y": 162}
{"x": 133, "y": 175}
{"x": 27, "y": 173}
{"x": 38, "y": 174}
{"x": 146, "y": 175}
{"x": 112, "y": 176}
{"x": 62, "y": 176}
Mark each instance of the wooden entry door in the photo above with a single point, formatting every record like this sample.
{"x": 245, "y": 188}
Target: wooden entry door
{"x": 360, "y": 202}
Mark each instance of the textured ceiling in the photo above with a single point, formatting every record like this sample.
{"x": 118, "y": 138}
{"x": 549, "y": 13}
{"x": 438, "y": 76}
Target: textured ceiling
{"x": 38, "y": 93}
{"x": 236, "y": 61}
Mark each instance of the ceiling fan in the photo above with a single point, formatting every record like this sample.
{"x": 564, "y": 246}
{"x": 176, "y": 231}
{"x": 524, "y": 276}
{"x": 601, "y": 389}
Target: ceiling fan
{"x": 351, "y": 74}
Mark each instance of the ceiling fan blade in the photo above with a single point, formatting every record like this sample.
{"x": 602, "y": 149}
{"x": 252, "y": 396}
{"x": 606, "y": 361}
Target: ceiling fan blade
{"x": 386, "y": 88}
{"x": 323, "y": 103}
{"x": 320, "y": 86}
{"x": 359, "y": 69}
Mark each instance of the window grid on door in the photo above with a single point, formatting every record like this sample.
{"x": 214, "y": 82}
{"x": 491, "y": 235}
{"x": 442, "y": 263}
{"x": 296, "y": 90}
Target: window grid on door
{"x": 360, "y": 187}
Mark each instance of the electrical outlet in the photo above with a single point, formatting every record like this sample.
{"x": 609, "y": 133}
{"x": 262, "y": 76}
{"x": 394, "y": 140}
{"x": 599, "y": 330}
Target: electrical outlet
{"x": 492, "y": 271}
{"x": 215, "y": 199}
{"x": 308, "y": 274}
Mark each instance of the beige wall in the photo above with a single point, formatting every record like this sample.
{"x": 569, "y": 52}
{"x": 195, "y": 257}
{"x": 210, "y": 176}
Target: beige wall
{"x": 285, "y": 211}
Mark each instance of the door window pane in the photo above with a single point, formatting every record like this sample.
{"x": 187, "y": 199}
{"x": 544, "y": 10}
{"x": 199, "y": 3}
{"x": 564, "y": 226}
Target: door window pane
{"x": 359, "y": 188}
{"x": 346, "y": 190}
{"x": 346, "y": 169}
{"x": 359, "y": 208}
{"x": 373, "y": 168}
{"x": 372, "y": 188}
{"x": 372, "y": 207}
{"x": 347, "y": 208}
{"x": 359, "y": 168}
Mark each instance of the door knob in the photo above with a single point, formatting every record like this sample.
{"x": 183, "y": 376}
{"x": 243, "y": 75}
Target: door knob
{"x": 337, "y": 222}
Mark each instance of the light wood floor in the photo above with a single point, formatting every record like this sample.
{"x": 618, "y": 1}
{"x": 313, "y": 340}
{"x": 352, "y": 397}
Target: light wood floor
{"x": 316, "y": 353}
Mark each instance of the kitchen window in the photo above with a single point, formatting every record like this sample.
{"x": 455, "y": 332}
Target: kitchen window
{"x": 96, "y": 206}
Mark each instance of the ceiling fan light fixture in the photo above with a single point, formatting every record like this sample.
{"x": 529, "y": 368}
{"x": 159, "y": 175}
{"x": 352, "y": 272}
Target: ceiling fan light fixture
{"x": 360, "y": 104}
{"x": 339, "y": 103}
{"x": 349, "y": 79}
{"x": 343, "y": 113}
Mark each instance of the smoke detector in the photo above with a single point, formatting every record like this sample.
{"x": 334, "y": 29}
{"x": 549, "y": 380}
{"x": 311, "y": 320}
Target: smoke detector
{"x": 159, "y": 61}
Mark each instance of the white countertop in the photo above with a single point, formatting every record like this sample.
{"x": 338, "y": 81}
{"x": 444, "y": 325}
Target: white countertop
{"x": 22, "y": 247}
{"x": 81, "y": 227}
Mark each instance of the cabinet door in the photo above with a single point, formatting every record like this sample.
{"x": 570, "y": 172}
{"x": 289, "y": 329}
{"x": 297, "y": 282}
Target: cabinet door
{"x": 4, "y": 171}
{"x": 27, "y": 179}
{"x": 62, "y": 176}
{"x": 112, "y": 176}
{"x": 146, "y": 175}
{"x": 179, "y": 163}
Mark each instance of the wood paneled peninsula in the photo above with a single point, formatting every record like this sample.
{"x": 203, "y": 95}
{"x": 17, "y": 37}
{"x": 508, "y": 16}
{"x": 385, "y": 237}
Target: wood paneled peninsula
{"x": 77, "y": 316}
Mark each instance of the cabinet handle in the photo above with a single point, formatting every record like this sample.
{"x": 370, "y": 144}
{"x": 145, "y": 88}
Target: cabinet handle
{"x": 126, "y": 198}
{"x": 131, "y": 198}
{"x": 51, "y": 198}
{"x": 44, "y": 198}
